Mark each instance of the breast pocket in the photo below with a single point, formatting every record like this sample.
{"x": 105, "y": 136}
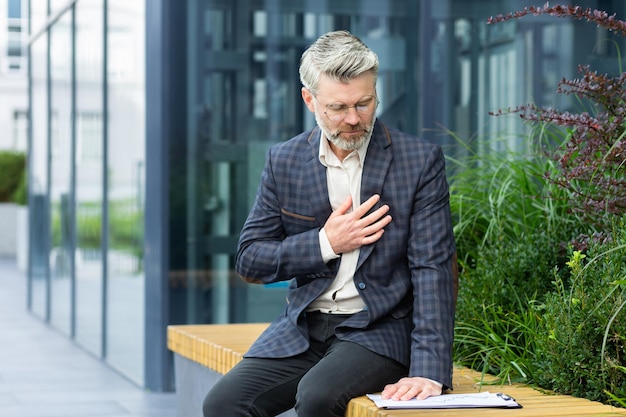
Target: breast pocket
{"x": 297, "y": 223}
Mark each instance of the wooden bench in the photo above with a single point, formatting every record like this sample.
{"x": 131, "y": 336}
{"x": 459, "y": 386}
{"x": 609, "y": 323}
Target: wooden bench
{"x": 204, "y": 352}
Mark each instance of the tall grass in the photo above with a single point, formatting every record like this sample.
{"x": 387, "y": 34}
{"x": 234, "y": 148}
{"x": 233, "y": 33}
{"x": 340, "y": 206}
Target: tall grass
{"x": 498, "y": 343}
{"x": 500, "y": 196}
{"x": 511, "y": 227}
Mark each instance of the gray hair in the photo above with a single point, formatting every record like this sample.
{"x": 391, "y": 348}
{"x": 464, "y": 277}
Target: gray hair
{"x": 340, "y": 56}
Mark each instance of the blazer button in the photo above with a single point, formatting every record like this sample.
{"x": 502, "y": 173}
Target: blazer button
{"x": 361, "y": 285}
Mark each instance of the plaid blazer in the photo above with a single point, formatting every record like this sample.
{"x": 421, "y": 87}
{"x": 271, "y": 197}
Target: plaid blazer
{"x": 405, "y": 279}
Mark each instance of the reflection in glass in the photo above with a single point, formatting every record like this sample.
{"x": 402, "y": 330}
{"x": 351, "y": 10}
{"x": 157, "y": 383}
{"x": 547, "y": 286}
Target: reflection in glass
{"x": 89, "y": 175}
{"x": 125, "y": 177}
{"x": 61, "y": 219}
{"x": 38, "y": 180}
{"x": 57, "y": 5}
{"x": 38, "y": 15}
{"x": 243, "y": 95}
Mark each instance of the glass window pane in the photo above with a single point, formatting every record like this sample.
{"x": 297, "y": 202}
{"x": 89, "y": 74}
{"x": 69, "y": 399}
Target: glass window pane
{"x": 38, "y": 179}
{"x": 125, "y": 175}
{"x": 38, "y": 15}
{"x": 20, "y": 130}
{"x": 61, "y": 219}
{"x": 15, "y": 9}
{"x": 56, "y": 5}
{"x": 89, "y": 175}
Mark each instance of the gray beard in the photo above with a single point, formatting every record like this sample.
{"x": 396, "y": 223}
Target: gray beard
{"x": 346, "y": 145}
{"x": 349, "y": 145}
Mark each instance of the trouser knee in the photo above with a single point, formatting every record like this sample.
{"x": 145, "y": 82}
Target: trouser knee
{"x": 211, "y": 407}
{"x": 317, "y": 401}
{"x": 218, "y": 403}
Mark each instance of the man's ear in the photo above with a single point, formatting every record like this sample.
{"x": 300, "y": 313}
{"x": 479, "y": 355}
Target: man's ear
{"x": 307, "y": 96}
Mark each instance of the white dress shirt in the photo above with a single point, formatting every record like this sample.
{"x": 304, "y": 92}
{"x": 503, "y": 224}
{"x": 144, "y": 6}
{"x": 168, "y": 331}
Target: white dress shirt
{"x": 343, "y": 179}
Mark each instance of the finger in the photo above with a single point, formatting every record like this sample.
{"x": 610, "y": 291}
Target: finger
{"x": 367, "y": 205}
{"x": 402, "y": 393}
{"x": 345, "y": 206}
{"x": 373, "y": 224}
{"x": 409, "y": 395}
{"x": 423, "y": 394}
{"x": 377, "y": 219}
{"x": 368, "y": 240}
{"x": 375, "y": 215}
{"x": 389, "y": 391}
{"x": 431, "y": 390}
{"x": 376, "y": 226}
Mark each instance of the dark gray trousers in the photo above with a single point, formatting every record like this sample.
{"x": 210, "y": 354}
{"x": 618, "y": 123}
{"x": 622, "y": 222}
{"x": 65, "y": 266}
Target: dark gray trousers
{"x": 319, "y": 382}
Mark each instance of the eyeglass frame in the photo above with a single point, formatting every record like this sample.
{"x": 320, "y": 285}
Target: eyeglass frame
{"x": 346, "y": 108}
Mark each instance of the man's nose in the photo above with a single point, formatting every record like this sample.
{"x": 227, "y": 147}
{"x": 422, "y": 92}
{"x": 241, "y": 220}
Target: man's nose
{"x": 352, "y": 116}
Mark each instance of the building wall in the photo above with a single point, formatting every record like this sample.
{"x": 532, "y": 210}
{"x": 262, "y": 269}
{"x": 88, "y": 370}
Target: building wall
{"x": 13, "y": 74}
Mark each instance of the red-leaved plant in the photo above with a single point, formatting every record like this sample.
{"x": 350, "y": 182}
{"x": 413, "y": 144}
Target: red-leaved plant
{"x": 592, "y": 159}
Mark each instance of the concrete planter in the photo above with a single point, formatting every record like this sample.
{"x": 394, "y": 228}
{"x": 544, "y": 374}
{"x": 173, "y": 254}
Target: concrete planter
{"x": 14, "y": 233}
{"x": 8, "y": 229}
{"x": 22, "y": 238}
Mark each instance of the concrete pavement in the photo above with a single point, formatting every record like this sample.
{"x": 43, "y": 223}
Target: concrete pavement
{"x": 44, "y": 374}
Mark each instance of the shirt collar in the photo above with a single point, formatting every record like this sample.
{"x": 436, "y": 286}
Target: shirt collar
{"x": 325, "y": 153}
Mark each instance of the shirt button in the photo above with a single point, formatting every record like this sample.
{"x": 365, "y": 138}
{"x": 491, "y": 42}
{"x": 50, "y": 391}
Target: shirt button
{"x": 361, "y": 285}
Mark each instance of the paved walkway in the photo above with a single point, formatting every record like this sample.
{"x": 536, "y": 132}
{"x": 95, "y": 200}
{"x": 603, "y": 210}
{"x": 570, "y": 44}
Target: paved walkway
{"x": 44, "y": 374}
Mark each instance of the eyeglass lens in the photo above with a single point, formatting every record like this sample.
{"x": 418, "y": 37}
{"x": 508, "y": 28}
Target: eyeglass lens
{"x": 337, "y": 111}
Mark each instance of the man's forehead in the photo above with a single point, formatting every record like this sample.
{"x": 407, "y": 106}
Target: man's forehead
{"x": 351, "y": 91}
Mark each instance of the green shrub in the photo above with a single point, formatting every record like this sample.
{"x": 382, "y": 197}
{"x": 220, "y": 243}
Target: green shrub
{"x": 581, "y": 348}
{"x": 89, "y": 226}
{"x": 20, "y": 196}
{"x": 495, "y": 322}
{"x": 126, "y": 226}
{"x": 12, "y": 173}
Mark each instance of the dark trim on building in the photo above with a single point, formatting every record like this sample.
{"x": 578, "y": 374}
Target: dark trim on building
{"x": 158, "y": 369}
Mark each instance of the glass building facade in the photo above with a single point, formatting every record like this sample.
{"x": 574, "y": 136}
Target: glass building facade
{"x": 149, "y": 123}
{"x": 87, "y": 175}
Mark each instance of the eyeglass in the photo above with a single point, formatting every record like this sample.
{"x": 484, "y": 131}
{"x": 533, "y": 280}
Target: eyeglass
{"x": 338, "y": 111}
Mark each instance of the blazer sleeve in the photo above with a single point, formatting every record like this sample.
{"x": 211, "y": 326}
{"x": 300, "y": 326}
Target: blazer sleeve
{"x": 268, "y": 250}
{"x": 431, "y": 257}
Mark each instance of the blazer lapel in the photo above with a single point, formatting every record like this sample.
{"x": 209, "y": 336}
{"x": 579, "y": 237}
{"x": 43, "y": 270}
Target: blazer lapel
{"x": 377, "y": 162}
{"x": 315, "y": 182}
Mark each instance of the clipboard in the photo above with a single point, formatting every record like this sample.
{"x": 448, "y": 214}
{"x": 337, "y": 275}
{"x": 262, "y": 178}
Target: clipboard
{"x": 471, "y": 400}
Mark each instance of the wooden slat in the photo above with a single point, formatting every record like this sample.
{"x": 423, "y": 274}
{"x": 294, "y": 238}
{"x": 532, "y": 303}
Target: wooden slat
{"x": 217, "y": 346}
{"x": 220, "y": 346}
